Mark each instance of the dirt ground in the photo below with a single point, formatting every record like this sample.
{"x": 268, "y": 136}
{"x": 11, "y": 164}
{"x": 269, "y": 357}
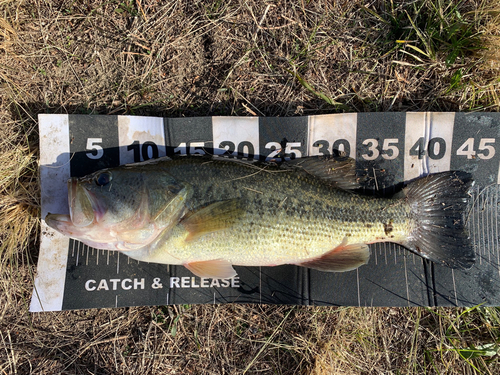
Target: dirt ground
{"x": 245, "y": 58}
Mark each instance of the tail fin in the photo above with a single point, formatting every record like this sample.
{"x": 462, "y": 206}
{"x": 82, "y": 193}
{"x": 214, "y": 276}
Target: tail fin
{"x": 437, "y": 203}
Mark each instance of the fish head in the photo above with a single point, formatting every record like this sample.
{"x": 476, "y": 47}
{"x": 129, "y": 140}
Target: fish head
{"x": 121, "y": 208}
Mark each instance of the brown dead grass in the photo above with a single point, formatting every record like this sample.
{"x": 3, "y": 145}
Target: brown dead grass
{"x": 195, "y": 58}
{"x": 490, "y": 29}
{"x": 235, "y": 57}
{"x": 236, "y": 339}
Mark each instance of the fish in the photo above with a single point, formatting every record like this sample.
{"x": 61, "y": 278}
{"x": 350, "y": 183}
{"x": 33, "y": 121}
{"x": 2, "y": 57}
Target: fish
{"x": 211, "y": 213}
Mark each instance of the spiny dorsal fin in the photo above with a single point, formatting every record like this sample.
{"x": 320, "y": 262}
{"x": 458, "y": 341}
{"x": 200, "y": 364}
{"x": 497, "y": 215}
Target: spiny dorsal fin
{"x": 214, "y": 217}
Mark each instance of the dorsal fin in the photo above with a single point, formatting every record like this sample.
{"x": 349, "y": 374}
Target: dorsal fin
{"x": 338, "y": 171}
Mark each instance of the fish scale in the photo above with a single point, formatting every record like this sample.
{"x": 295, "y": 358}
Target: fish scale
{"x": 289, "y": 217}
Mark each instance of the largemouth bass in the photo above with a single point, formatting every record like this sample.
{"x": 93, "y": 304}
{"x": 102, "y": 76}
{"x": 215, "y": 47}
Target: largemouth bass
{"x": 209, "y": 214}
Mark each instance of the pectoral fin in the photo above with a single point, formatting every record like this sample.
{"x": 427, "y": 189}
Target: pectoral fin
{"x": 214, "y": 269}
{"x": 343, "y": 258}
{"x": 215, "y": 217}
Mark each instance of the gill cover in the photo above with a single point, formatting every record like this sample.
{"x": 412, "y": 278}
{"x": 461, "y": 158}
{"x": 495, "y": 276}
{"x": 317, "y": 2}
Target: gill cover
{"x": 80, "y": 207}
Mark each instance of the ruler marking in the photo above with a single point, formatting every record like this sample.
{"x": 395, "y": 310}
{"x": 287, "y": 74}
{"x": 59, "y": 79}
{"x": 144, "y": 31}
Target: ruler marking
{"x": 331, "y": 128}
{"x": 473, "y": 224}
{"x": 498, "y": 175}
{"x": 357, "y": 281}
{"x": 496, "y": 231}
{"x": 236, "y": 129}
{"x": 87, "y": 255}
{"x": 118, "y": 262}
{"x": 78, "y": 253}
{"x": 142, "y": 129}
{"x": 427, "y": 137}
{"x": 454, "y": 286}
{"x": 425, "y": 126}
{"x": 406, "y": 279}
{"x": 48, "y": 288}
{"x": 483, "y": 225}
{"x": 479, "y": 228}
{"x": 385, "y": 254}
{"x": 260, "y": 284}
{"x": 490, "y": 226}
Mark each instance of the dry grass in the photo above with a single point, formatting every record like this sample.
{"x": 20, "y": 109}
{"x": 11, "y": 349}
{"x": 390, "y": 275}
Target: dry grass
{"x": 234, "y": 339}
{"x": 195, "y": 58}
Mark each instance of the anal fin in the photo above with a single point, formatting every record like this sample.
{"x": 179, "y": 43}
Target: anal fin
{"x": 340, "y": 259}
{"x": 214, "y": 269}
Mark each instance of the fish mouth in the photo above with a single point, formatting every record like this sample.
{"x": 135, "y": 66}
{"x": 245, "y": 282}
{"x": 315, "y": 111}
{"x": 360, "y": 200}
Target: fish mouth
{"x": 56, "y": 218}
{"x": 84, "y": 207}
{"x": 61, "y": 223}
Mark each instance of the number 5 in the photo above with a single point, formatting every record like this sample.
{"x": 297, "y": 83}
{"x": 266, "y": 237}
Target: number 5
{"x": 484, "y": 146}
{"x": 390, "y": 145}
{"x": 97, "y": 151}
{"x": 289, "y": 150}
{"x": 196, "y": 148}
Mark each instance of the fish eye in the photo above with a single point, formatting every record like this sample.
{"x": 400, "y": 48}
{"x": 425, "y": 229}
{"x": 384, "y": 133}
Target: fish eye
{"x": 103, "y": 179}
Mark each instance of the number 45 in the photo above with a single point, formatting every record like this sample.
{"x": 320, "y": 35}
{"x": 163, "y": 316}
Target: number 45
{"x": 485, "y": 149}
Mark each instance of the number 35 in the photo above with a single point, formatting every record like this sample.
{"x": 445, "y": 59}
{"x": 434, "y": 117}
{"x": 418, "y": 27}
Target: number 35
{"x": 389, "y": 149}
